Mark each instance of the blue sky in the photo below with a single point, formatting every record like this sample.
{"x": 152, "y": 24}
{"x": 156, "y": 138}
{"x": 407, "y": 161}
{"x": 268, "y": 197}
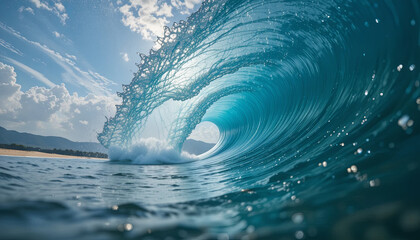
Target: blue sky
{"x": 61, "y": 62}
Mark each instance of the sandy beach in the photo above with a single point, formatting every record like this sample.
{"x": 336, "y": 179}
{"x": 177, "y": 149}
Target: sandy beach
{"x": 12, "y": 152}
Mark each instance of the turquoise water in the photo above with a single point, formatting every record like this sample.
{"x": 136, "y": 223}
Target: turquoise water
{"x": 317, "y": 104}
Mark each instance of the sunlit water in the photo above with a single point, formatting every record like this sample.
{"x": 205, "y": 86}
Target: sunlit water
{"x": 317, "y": 103}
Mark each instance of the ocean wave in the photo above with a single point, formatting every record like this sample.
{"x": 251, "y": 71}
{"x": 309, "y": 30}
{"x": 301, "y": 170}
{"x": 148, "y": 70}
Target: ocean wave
{"x": 284, "y": 81}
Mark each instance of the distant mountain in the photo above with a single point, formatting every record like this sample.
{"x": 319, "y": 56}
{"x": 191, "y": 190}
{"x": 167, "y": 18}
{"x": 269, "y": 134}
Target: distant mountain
{"x": 32, "y": 140}
{"x": 50, "y": 142}
{"x": 196, "y": 147}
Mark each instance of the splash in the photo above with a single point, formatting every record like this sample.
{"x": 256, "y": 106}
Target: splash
{"x": 149, "y": 151}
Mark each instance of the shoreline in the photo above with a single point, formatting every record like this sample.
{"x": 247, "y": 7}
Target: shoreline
{"x": 22, "y": 153}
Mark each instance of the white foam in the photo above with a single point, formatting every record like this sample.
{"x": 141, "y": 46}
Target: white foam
{"x": 149, "y": 151}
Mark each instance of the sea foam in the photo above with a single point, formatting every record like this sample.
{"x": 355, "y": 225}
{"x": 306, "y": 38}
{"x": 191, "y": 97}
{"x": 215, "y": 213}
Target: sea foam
{"x": 149, "y": 151}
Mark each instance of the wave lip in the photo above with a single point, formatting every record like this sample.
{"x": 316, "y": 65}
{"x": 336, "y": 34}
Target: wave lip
{"x": 149, "y": 151}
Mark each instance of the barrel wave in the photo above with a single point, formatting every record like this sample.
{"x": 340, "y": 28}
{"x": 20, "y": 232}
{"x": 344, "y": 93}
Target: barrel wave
{"x": 276, "y": 77}
{"x": 317, "y": 104}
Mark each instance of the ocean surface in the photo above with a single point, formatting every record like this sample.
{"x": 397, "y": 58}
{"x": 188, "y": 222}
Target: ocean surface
{"x": 317, "y": 104}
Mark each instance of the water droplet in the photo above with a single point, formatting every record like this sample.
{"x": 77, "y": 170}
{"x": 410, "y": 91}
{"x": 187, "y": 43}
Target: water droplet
{"x": 374, "y": 183}
{"x": 413, "y": 22}
{"x": 299, "y": 234}
{"x": 410, "y": 123}
{"x": 297, "y": 218}
{"x": 128, "y": 226}
{"x": 402, "y": 122}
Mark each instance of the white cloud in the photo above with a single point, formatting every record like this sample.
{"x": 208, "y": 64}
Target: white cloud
{"x": 206, "y": 132}
{"x": 26, "y": 9}
{"x": 51, "y": 111}
{"x": 147, "y": 17}
{"x": 10, "y": 47}
{"x": 60, "y": 6}
{"x": 125, "y": 57}
{"x": 71, "y": 56}
{"x": 185, "y": 7}
{"x": 91, "y": 81}
{"x": 9, "y": 90}
{"x": 57, "y": 8}
{"x": 39, "y": 76}
{"x": 57, "y": 34}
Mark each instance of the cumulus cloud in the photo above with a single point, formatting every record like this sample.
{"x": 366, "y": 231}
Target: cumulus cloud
{"x": 147, "y": 17}
{"x": 9, "y": 91}
{"x": 185, "y": 7}
{"x": 51, "y": 111}
{"x": 125, "y": 57}
{"x": 56, "y": 8}
{"x": 206, "y": 132}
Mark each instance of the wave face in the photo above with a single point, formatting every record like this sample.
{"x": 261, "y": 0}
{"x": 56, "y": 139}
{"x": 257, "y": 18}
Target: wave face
{"x": 276, "y": 77}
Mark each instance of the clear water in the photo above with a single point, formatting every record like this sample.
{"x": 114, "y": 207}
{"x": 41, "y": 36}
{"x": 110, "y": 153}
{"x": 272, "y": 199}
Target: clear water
{"x": 317, "y": 103}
